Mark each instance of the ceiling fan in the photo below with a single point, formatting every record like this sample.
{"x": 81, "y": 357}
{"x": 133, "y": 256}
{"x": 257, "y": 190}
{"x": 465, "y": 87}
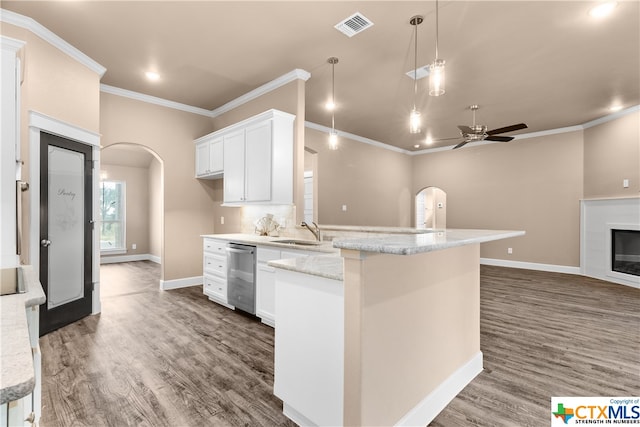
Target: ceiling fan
{"x": 480, "y": 133}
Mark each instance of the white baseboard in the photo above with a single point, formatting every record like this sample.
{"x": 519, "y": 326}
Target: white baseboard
{"x": 129, "y": 258}
{"x": 296, "y": 416}
{"x": 531, "y": 266}
{"x": 425, "y": 411}
{"x": 180, "y": 283}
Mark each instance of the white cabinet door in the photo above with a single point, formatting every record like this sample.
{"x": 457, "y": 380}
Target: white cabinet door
{"x": 202, "y": 159}
{"x": 258, "y": 162}
{"x": 216, "y": 153}
{"x": 266, "y": 294}
{"x": 234, "y": 187}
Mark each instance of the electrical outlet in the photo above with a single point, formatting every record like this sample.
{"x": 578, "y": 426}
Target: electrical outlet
{"x": 222, "y": 220}
{"x": 509, "y": 251}
{"x": 133, "y": 246}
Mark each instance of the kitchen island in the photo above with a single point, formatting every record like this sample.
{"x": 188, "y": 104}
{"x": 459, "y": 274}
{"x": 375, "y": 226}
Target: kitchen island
{"x": 391, "y": 340}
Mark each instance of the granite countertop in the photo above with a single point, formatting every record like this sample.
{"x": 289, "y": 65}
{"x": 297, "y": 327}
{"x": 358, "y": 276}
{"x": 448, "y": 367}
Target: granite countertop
{"x": 254, "y": 239}
{"x": 327, "y": 266}
{"x": 17, "y": 377}
{"x": 435, "y": 240}
{"x": 375, "y": 229}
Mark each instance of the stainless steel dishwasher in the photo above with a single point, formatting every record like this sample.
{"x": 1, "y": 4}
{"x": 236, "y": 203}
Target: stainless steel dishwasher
{"x": 241, "y": 277}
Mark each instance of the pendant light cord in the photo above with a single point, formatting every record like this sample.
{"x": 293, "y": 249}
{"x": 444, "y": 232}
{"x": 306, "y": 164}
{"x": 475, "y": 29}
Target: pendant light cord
{"x": 415, "y": 65}
{"x": 436, "y": 30}
{"x": 333, "y": 94}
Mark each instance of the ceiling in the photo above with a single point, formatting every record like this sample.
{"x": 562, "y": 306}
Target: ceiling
{"x": 546, "y": 63}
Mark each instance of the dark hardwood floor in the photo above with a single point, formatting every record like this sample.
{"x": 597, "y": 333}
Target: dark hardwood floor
{"x": 174, "y": 358}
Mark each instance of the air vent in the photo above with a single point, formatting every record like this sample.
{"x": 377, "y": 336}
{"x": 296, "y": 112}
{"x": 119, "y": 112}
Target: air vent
{"x": 354, "y": 24}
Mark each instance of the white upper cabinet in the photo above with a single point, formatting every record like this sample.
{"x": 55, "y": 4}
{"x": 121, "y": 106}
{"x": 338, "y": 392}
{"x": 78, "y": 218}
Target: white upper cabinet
{"x": 209, "y": 158}
{"x": 257, "y": 159}
{"x": 234, "y": 155}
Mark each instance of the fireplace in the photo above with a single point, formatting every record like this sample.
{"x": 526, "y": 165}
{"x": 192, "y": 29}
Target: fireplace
{"x": 610, "y": 240}
{"x": 625, "y": 251}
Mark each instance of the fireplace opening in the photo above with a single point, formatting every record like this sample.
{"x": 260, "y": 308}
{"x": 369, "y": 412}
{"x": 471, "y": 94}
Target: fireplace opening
{"x": 625, "y": 251}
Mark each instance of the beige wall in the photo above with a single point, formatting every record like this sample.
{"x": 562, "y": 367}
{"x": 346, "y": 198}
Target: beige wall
{"x": 532, "y": 185}
{"x": 56, "y": 85}
{"x": 188, "y": 202}
{"x": 155, "y": 208}
{"x": 612, "y": 154}
{"x": 137, "y": 204}
{"x": 374, "y": 183}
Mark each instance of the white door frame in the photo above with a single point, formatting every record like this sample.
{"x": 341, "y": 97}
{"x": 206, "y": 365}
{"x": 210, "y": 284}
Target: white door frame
{"x": 41, "y": 122}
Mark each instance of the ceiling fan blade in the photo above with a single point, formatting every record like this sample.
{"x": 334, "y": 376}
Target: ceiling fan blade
{"x": 465, "y": 129}
{"x": 499, "y": 138}
{"x": 463, "y": 143}
{"x": 507, "y": 129}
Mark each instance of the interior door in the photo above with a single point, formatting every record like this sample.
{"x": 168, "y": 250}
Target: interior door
{"x": 65, "y": 231}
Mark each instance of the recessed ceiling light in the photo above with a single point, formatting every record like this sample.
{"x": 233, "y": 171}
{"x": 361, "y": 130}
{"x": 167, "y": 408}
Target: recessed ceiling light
{"x": 152, "y": 75}
{"x": 615, "y": 108}
{"x": 429, "y": 140}
{"x": 416, "y": 146}
{"x": 603, "y": 9}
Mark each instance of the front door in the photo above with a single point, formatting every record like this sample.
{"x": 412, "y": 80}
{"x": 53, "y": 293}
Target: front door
{"x": 65, "y": 231}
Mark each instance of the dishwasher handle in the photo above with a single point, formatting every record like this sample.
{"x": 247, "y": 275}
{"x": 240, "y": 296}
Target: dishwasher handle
{"x": 240, "y": 251}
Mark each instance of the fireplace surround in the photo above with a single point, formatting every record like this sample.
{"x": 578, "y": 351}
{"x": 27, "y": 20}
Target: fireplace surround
{"x": 609, "y": 245}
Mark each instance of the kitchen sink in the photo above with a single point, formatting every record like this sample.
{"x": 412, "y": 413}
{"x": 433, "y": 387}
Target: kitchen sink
{"x": 297, "y": 242}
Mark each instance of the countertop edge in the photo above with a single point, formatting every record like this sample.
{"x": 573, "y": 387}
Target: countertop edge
{"x": 324, "y": 247}
{"x": 17, "y": 374}
{"x": 393, "y": 246}
{"x": 325, "y": 266}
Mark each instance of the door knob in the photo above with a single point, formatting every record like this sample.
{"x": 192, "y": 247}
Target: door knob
{"x": 45, "y": 243}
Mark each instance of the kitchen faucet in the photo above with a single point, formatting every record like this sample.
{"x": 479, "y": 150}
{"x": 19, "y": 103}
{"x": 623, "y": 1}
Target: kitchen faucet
{"x": 315, "y": 230}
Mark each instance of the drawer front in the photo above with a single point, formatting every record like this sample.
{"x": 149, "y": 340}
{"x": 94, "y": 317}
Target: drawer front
{"x": 215, "y": 264}
{"x": 215, "y": 286}
{"x": 217, "y": 247}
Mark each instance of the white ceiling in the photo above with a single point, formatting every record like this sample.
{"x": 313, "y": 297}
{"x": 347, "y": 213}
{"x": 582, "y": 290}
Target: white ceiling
{"x": 546, "y": 63}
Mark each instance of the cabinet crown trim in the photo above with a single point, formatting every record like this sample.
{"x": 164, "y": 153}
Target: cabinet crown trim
{"x": 267, "y": 115}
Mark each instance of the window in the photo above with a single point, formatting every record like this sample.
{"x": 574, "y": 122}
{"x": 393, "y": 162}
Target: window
{"x": 112, "y": 215}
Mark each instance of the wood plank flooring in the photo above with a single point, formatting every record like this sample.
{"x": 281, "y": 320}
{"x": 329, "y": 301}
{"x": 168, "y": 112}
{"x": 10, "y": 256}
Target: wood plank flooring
{"x": 174, "y": 358}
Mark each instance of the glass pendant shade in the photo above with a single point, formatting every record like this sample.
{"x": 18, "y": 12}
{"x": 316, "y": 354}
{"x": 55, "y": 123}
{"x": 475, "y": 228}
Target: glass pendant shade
{"x": 437, "y": 78}
{"x": 333, "y": 140}
{"x": 414, "y": 121}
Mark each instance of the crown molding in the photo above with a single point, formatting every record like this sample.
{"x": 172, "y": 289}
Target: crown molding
{"x": 32, "y": 25}
{"x": 296, "y": 74}
{"x": 611, "y": 116}
{"x": 153, "y": 100}
{"x": 358, "y": 138}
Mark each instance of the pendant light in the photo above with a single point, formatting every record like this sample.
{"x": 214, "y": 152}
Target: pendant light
{"x": 333, "y": 135}
{"x": 436, "y": 70}
{"x": 414, "y": 117}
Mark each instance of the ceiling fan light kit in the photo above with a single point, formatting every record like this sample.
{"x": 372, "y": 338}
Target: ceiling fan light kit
{"x": 476, "y": 133}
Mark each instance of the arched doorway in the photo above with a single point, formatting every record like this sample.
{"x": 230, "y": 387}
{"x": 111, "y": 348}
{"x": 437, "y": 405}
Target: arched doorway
{"x": 431, "y": 208}
{"x": 138, "y": 172}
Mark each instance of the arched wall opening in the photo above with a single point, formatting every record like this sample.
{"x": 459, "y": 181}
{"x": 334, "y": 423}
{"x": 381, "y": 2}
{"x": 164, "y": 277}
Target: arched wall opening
{"x": 431, "y": 208}
{"x": 142, "y": 171}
